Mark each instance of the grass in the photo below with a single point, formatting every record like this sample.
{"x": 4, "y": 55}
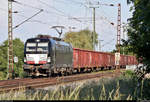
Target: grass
{"x": 126, "y": 87}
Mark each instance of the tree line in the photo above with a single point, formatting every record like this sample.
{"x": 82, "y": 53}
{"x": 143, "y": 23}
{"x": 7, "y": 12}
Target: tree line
{"x": 18, "y": 50}
{"x": 139, "y": 31}
{"x": 82, "y": 39}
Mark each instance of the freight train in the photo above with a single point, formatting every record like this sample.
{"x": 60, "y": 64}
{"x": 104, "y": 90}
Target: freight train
{"x": 47, "y": 56}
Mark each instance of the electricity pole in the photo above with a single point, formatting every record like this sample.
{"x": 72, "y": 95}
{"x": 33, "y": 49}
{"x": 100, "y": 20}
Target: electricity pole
{"x": 119, "y": 27}
{"x": 100, "y": 45}
{"x": 118, "y": 35}
{"x": 10, "y": 41}
{"x": 94, "y": 32}
{"x": 93, "y": 28}
{"x": 10, "y": 65}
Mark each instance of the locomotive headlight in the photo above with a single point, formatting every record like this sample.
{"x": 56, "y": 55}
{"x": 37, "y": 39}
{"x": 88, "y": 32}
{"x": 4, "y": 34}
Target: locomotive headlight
{"x": 48, "y": 59}
{"x": 25, "y": 60}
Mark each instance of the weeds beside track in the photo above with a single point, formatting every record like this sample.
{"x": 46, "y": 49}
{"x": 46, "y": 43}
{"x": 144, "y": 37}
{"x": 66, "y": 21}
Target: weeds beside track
{"x": 28, "y": 83}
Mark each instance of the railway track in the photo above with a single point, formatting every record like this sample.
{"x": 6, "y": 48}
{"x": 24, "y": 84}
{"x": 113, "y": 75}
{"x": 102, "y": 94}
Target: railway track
{"x": 27, "y": 83}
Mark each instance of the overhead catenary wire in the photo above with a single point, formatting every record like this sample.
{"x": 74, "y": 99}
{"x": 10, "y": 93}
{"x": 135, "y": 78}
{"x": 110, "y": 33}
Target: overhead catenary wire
{"x": 109, "y": 42}
{"x": 102, "y": 17}
{"x": 33, "y": 7}
{"x": 36, "y": 21}
{"x": 46, "y": 11}
{"x": 50, "y": 12}
{"x": 68, "y": 16}
{"x": 63, "y": 14}
{"x": 27, "y": 5}
{"x": 77, "y": 2}
{"x": 23, "y": 4}
{"x": 33, "y": 20}
{"x": 52, "y": 8}
{"x": 57, "y": 10}
{"x": 27, "y": 19}
{"x": 74, "y": 2}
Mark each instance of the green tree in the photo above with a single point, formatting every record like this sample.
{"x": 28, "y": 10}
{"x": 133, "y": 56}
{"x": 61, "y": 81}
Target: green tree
{"x": 81, "y": 39}
{"x": 123, "y": 50}
{"x": 18, "y": 50}
{"x": 139, "y": 30}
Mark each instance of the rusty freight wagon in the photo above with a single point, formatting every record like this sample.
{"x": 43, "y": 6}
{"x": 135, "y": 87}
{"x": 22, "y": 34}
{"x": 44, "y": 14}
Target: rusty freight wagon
{"x": 86, "y": 59}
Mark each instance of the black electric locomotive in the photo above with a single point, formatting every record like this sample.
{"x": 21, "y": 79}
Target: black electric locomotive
{"x": 45, "y": 56}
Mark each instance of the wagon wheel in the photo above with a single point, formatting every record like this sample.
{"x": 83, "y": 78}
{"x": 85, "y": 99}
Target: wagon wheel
{"x": 97, "y": 69}
{"x": 49, "y": 74}
{"x": 66, "y": 73}
{"x": 102, "y": 68}
{"x": 62, "y": 73}
{"x": 71, "y": 72}
{"x": 91, "y": 70}
{"x": 33, "y": 76}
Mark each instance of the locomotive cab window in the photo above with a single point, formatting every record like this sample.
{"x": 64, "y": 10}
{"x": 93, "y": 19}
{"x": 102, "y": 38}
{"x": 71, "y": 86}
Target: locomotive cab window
{"x": 42, "y": 47}
{"x": 31, "y": 47}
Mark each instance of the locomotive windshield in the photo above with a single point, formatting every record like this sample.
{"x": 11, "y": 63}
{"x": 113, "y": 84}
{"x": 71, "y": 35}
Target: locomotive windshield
{"x": 40, "y": 47}
{"x": 31, "y": 47}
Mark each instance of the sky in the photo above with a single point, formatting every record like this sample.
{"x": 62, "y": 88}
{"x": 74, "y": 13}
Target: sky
{"x": 67, "y": 13}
